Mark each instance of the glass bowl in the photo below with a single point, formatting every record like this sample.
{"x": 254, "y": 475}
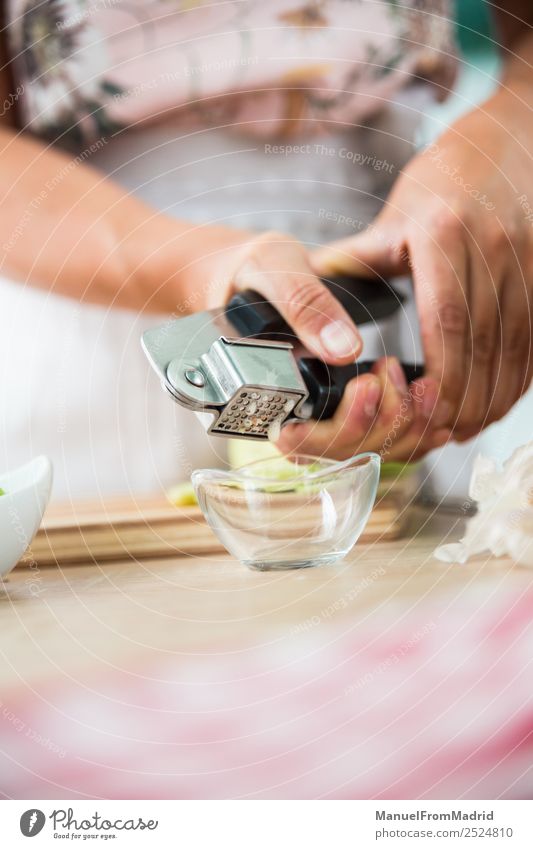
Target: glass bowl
{"x": 289, "y": 514}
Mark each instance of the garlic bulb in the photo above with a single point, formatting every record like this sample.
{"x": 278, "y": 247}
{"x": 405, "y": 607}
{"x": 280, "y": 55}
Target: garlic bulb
{"x": 504, "y": 521}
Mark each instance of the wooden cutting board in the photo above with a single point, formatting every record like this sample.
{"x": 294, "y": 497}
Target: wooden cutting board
{"x": 115, "y": 529}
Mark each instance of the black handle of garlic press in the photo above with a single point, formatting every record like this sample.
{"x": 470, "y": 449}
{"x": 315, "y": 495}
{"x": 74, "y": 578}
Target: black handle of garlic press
{"x": 364, "y": 300}
{"x": 326, "y": 383}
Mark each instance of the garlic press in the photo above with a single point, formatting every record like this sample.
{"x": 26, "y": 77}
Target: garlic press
{"x": 243, "y": 364}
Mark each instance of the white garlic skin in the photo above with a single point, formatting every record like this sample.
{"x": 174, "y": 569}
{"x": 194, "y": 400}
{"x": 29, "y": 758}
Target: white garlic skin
{"x": 503, "y": 524}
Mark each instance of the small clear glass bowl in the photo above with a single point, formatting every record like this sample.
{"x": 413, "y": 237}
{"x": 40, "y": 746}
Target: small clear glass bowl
{"x": 281, "y": 514}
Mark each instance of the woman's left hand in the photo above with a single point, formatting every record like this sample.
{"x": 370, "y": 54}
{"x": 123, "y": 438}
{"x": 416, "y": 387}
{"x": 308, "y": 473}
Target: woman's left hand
{"x": 378, "y": 412}
{"x": 460, "y": 220}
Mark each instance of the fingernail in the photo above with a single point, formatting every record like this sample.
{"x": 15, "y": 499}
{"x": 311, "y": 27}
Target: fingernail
{"x": 429, "y": 399}
{"x": 397, "y": 375}
{"x": 292, "y": 435}
{"x": 437, "y": 409}
{"x": 340, "y": 339}
{"x": 372, "y": 396}
{"x": 442, "y": 414}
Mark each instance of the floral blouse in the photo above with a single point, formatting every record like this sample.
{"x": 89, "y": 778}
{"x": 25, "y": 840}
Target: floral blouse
{"x": 275, "y": 68}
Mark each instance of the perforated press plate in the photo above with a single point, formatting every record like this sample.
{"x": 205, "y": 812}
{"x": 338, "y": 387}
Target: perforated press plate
{"x": 255, "y": 413}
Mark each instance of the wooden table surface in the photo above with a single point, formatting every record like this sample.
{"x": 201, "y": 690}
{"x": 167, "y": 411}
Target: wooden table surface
{"x": 389, "y": 674}
{"x": 55, "y": 621}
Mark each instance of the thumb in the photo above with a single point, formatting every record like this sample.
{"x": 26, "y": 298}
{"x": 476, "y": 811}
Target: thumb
{"x": 373, "y": 253}
{"x": 277, "y": 267}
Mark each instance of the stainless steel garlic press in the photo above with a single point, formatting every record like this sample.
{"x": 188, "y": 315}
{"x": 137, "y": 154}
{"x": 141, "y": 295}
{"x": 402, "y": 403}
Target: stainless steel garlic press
{"x": 243, "y": 364}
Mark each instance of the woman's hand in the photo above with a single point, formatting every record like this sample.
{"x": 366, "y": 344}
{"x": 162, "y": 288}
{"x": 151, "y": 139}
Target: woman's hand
{"x": 277, "y": 266}
{"x": 460, "y": 220}
{"x": 378, "y": 411}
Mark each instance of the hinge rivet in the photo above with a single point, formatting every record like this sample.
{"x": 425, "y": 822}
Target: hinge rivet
{"x": 195, "y": 377}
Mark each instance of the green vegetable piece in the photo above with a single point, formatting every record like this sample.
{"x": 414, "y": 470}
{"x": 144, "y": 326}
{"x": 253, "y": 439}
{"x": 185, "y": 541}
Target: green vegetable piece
{"x": 182, "y": 495}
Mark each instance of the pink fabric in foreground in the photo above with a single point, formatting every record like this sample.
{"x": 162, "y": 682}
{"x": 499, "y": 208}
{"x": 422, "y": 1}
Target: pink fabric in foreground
{"x": 432, "y": 703}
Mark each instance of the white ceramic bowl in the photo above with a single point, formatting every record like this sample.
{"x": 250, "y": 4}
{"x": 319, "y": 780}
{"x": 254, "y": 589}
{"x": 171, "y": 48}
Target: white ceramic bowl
{"x": 27, "y": 490}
